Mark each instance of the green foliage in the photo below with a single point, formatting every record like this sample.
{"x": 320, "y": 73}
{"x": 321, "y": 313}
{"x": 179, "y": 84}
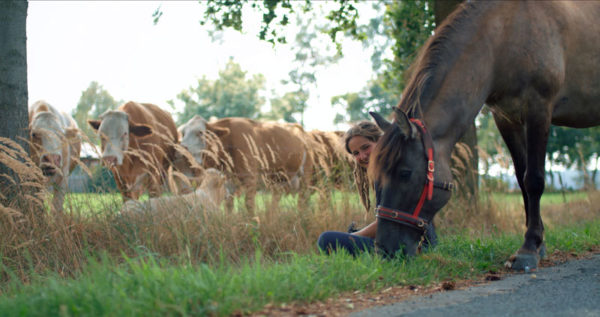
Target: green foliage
{"x": 94, "y": 101}
{"x": 310, "y": 55}
{"x": 222, "y": 14}
{"x": 357, "y": 105}
{"x": 231, "y": 95}
{"x": 410, "y": 24}
{"x": 287, "y": 106}
{"x": 229, "y": 14}
{"x": 102, "y": 180}
{"x": 573, "y": 147}
{"x": 345, "y": 21}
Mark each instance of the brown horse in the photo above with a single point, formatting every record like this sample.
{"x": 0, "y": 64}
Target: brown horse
{"x": 534, "y": 63}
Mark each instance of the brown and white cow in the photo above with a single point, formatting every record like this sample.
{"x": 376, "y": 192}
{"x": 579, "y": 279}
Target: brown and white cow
{"x": 137, "y": 143}
{"x": 188, "y": 165}
{"x": 55, "y": 146}
{"x": 250, "y": 152}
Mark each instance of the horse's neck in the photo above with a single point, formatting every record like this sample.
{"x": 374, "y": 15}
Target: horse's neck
{"x": 460, "y": 87}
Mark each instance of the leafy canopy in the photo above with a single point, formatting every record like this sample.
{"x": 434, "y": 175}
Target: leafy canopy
{"x": 230, "y": 95}
{"x": 94, "y": 101}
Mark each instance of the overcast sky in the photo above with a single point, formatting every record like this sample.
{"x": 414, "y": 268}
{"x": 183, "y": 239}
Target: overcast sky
{"x": 73, "y": 43}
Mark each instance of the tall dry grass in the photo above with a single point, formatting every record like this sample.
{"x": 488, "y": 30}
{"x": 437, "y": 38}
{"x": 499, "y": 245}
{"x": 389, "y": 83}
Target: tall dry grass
{"x": 33, "y": 240}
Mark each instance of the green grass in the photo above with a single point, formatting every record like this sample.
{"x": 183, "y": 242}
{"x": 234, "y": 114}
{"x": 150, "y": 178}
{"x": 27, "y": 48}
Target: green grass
{"x": 148, "y": 286}
{"x": 94, "y": 203}
{"x": 548, "y": 198}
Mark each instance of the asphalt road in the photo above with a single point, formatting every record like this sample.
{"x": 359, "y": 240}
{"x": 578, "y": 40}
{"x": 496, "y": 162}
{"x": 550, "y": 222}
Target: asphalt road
{"x": 569, "y": 289}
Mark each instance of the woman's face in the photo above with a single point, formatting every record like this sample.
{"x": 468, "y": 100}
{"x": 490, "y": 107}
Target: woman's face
{"x": 360, "y": 148}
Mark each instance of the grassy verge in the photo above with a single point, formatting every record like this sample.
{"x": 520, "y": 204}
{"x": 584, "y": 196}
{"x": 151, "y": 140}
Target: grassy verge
{"x": 148, "y": 285}
{"x": 549, "y": 198}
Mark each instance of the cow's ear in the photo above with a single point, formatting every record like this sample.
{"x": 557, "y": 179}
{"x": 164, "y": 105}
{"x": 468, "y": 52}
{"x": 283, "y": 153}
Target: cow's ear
{"x": 95, "y": 124}
{"x": 140, "y": 130}
{"x": 71, "y": 133}
{"x": 220, "y": 132}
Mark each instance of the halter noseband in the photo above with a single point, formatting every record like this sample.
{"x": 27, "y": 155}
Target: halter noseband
{"x": 413, "y": 219}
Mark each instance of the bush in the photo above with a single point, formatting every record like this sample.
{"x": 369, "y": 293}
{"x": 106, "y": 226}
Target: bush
{"x": 102, "y": 180}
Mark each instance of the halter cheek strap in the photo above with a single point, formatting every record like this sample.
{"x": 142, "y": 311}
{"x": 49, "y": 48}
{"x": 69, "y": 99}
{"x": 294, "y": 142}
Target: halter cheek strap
{"x": 413, "y": 219}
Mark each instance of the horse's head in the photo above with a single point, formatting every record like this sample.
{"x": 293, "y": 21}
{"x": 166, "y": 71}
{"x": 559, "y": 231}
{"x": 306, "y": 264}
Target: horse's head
{"x": 402, "y": 168}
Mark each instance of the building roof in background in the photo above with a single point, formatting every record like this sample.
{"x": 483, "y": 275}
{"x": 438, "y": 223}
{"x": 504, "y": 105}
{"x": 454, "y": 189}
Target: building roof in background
{"x": 89, "y": 150}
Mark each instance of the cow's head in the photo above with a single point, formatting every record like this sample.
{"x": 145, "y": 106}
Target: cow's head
{"x": 49, "y": 142}
{"x": 115, "y": 130}
{"x": 194, "y": 135}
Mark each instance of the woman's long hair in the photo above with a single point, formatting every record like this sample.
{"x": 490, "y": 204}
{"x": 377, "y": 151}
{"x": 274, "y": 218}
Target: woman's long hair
{"x": 371, "y": 132}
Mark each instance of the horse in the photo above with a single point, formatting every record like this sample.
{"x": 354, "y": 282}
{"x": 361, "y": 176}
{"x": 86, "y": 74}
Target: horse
{"x": 534, "y": 63}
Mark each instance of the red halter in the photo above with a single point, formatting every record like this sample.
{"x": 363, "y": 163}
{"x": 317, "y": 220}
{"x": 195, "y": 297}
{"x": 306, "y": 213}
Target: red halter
{"x": 413, "y": 218}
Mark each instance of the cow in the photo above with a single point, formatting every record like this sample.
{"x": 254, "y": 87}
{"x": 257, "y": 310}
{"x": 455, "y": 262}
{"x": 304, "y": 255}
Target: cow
{"x": 208, "y": 196}
{"x": 250, "y": 152}
{"x": 55, "y": 142}
{"x": 187, "y": 172}
{"x": 137, "y": 143}
{"x": 333, "y": 165}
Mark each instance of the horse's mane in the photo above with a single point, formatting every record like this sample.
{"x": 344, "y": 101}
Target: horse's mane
{"x": 438, "y": 51}
{"x": 387, "y": 151}
{"x": 424, "y": 76}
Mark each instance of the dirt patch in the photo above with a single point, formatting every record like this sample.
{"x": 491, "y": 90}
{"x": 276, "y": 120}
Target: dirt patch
{"x": 346, "y": 303}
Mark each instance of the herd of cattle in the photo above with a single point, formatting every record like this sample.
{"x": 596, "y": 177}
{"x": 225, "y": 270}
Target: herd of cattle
{"x": 200, "y": 162}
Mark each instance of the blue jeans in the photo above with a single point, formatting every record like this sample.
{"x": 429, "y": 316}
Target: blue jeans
{"x": 332, "y": 241}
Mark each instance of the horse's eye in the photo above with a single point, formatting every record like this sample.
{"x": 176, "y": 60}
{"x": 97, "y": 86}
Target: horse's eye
{"x": 404, "y": 174}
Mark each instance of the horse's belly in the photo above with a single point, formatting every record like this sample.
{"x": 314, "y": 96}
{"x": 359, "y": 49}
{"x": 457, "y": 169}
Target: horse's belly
{"x": 577, "y": 111}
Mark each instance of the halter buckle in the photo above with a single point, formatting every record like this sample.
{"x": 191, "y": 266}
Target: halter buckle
{"x": 430, "y": 166}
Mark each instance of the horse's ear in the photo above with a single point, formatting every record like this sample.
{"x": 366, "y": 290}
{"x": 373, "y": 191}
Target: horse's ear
{"x": 382, "y": 123}
{"x": 403, "y": 122}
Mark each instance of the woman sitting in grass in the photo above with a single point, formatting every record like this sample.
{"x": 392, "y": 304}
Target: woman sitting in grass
{"x": 359, "y": 140}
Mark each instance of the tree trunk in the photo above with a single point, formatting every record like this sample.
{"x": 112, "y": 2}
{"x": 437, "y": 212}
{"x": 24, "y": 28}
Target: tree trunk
{"x": 13, "y": 76}
{"x": 443, "y": 8}
{"x": 469, "y": 186}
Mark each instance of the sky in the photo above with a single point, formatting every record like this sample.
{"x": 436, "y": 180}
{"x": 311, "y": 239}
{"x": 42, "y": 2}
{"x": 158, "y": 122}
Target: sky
{"x": 72, "y": 43}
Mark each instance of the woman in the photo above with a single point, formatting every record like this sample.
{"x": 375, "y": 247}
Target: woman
{"x": 359, "y": 141}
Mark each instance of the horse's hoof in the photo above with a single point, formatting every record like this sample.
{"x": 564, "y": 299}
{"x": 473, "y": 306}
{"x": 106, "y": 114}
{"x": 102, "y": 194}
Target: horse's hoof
{"x": 526, "y": 261}
{"x": 542, "y": 250}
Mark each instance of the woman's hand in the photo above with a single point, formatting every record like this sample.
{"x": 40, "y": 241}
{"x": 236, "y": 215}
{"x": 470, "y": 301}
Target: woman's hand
{"x": 369, "y": 231}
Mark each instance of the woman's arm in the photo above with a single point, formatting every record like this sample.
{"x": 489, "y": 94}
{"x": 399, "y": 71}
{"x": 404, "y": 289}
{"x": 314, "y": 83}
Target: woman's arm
{"x": 368, "y": 231}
